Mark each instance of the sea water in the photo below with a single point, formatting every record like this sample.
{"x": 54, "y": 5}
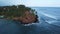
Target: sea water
{"x": 51, "y": 15}
{"x": 48, "y": 18}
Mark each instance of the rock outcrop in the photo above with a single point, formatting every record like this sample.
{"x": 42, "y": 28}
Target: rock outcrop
{"x": 20, "y": 13}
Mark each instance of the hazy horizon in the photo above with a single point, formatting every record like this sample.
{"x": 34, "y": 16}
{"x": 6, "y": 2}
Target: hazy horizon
{"x": 31, "y": 3}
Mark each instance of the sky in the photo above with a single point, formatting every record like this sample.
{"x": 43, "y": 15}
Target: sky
{"x": 32, "y": 3}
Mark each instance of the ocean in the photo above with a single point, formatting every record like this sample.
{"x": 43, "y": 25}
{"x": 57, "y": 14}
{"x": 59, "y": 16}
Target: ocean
{"x": 49, "y": 14}
{"x": 49, "y": 23}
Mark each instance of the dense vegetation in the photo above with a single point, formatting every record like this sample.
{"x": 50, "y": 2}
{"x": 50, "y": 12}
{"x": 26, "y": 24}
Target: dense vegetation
{"x": 14, "y": 11}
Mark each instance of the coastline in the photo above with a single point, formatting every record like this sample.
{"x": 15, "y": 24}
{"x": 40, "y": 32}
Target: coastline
{"x": 23, "y": 14}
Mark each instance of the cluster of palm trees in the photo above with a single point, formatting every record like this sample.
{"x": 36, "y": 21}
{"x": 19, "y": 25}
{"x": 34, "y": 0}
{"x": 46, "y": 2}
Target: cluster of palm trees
{"x": 14, "y": 11}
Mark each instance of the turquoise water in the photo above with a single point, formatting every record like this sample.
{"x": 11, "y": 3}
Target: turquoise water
{"x": 49, "y": 23}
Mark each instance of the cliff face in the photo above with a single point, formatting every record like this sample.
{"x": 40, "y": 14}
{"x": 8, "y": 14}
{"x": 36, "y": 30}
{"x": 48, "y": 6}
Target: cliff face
{"x": 28, "y": 18}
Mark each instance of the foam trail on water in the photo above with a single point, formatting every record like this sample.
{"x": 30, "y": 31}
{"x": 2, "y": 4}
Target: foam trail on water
{"x": 48, "y": 15}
